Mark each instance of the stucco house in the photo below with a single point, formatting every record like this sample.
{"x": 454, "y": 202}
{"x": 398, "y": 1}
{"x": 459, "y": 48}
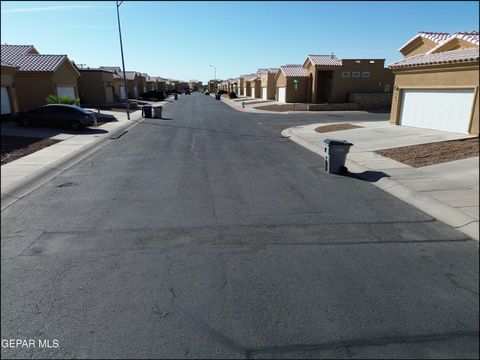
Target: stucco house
{"x": 331, "y": 80}
{"x": 9, "y": 99}
{"x": 38, "y": 76}
{"x": 267, "y": 83}
{"x": 436, "y": 84}
{"x": 291, "y": 84}
{"x": 247, "y": 84}
{"x": 96, "y": 86}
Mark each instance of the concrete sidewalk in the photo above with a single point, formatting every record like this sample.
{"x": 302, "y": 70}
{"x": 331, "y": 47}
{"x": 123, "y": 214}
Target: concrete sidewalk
{"x": 21, "y": 176}
{"x": 447, "y": 191}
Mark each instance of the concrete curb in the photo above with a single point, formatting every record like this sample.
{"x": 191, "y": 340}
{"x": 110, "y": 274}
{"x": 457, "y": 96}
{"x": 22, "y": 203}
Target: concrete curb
{"x": 435, "y": 208}
{"x": 23, "y": 187}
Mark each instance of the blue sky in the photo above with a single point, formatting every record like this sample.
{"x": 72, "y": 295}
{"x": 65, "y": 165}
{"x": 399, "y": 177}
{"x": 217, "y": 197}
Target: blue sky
{"x": 181, "y": 39}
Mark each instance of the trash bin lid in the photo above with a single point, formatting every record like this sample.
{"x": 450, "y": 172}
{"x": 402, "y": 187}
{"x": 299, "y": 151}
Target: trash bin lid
{"x": 332, "y": 142}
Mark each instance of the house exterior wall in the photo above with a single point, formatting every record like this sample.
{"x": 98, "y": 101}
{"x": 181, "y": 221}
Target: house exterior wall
{"x": 142, "y": 84}
{"x": 7, "y": 81}
{"x": 117, "y": 83}
{"x": 271, "y": 86}
{"x": 418, "y": 46}
{"x": 379, "y": 77}
{"x": 130, "y": 85}
{"x": 32, "y": 89}
{"x": 66, "y": 76}
{"x": 437, "y": 77}
{"x": 257, "y": 85}
{"x": 92, "y": 85}
{"x": 299, "y": 95}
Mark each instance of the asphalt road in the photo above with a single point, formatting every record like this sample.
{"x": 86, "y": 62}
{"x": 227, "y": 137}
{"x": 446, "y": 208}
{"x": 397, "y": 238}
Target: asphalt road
{"x": 208, "y": 235}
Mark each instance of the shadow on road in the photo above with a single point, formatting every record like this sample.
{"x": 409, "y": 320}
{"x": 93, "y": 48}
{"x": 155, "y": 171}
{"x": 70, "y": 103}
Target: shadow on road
{"x": 370, "y": 176}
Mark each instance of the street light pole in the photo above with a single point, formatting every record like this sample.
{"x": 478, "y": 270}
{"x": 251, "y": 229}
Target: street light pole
{"x": 123, "y": 61}
{"x": 215, "y": 72}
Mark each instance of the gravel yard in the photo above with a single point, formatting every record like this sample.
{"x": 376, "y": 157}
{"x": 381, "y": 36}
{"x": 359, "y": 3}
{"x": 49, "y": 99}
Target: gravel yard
{"x": 15, "y": 147}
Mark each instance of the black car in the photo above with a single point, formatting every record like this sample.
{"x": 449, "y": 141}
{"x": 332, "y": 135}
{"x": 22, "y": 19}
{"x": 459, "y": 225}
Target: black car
{"x": 57, "y": 115}
{"x": 157, "y": 95}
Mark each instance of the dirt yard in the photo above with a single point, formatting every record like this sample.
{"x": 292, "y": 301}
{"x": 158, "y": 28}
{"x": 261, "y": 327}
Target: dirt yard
{"x": 285, "y": 107}
{"x": 433, "y": 153}
{"x": 15, "y": 147}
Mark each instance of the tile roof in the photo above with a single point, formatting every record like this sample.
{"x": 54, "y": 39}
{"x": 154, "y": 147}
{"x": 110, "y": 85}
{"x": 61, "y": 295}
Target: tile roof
{"x": 329, "y": 60}
{"x": 114, "y": 69}
{"x": 436, "y": 37}
{"x": 26, "y": 58}
{"x": 294, "y": 71}
{"x": 262, "y": 71}
{"x": 8, "y": 65}
{"x": 117, "y": 76}
{"x": 9, "y": 52}
{"x": 250, "y": 77}
{"x": 471, "y": 37}
{"x": 446, "y": 57}
{"x": 273, "y": 70}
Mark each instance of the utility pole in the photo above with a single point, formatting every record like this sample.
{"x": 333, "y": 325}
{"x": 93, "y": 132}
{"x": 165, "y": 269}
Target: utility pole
{"x": 123, "y": 61}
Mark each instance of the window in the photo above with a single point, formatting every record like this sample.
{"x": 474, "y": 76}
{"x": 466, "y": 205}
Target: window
{"x": 355, "y": 74}
{"x": 345, "y": 74}
{"x": 366, "y": 74}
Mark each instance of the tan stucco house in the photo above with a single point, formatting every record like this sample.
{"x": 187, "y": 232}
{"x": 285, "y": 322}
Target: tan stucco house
{"x": 267, "y": 83}
{"x": 39, "y": 76}
{"x": 331, "y": 80}
{"x": 291, "y": 84}
{"x": 96, "y": 86}
{"x": 9, "y": 99}
{"x": 437, "y": 83}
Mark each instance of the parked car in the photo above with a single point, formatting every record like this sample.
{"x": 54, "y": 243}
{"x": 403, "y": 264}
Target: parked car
{"x": 57, "y": 115}
{"x": 157, "y": 95}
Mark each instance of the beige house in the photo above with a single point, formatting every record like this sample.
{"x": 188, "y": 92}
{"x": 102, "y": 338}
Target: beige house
{"x": 331, "y": 80}
{"x": 437, "y": 83}
{"x": 142, "y": 82}
{"x": 9, "y": 99}
{"x": 96, "y": 86}
{"x": 291, "y": 84}
{"x": 267, "y": 83}
{"x": 151, "y": 83}
{"x": 247, "y": 84}
{"x": 39, "y": 76}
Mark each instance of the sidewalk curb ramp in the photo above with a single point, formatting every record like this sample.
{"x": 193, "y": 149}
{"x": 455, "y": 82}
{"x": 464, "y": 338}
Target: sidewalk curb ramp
{"x": 435, "y": 208}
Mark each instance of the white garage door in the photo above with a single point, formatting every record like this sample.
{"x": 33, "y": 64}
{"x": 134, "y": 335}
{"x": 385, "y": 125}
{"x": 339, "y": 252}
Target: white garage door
{"x": 281, "y": 94}
{"x": 135, "y": 92}
{"x": 447, "y": 110}
{"x": 5, "y": 101}
{"x": 253, "y": 92}
{"x": 109, "y": 94}
{"x": 122, "y": 93}
{"x": 264, "y": 93}
{"x": 66, "y": 91}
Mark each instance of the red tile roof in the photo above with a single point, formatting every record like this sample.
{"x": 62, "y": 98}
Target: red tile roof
{"x": 294, "y": 71}
{"x": 328, "y": 60}
{"x": 446, "y": 57}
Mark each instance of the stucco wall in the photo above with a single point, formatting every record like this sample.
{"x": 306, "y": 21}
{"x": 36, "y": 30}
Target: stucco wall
{"x": 33, "y": 89}
{"x": 439, "y": 77}
{"x": 92, "y": 84}
{"x": 298, "y": 96}
{"x": 66, "y": 76}
{"x": 418, "y": 46}
{"x": 379, "y": 77}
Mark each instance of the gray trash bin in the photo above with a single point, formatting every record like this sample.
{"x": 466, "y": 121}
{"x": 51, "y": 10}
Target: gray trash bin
{"x": 335, "y": 155}
{"x": 147, "y": 111}
{"x": 157, "y": 112}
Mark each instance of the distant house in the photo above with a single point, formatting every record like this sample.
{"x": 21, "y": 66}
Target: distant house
{"x": 247, "y": 84}
{"x": 437, "y": 83}
{"x": 267, "y": 83}
{"x": 38, "y": 76}
{"x": 96, "y": 86}
{"x": 291, "y": 83}
{"x": 9, "y": 99}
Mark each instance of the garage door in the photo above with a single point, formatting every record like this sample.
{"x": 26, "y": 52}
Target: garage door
{"x": 66, "y": 91}
{"x": 253, "y": 92}
{"x": 135, "y": 92}
{"x": 5, "y": 101}
{"x": 264, "y": 93}
{"x": 281, "y": 94}
{"x": 122, "y": 93}
{"x": 245, "y": 91}
{"x": 109, "y": 94}
{"x": 448, "y": 110}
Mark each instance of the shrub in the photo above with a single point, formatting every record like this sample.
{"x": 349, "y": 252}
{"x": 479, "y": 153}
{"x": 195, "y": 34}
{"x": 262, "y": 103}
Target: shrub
{"x": 207, "y": 93}
{"x": 232, "y": 95}
{"x": 52, "y": 99}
